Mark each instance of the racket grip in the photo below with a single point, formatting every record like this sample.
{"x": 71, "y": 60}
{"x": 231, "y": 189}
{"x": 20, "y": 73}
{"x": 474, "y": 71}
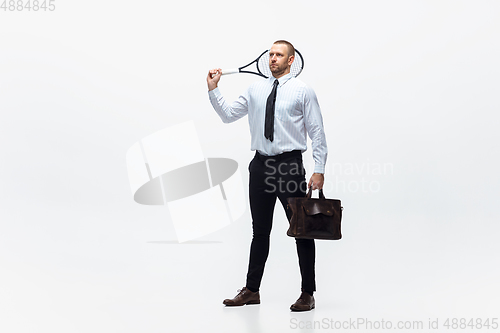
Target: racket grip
{"x": 230, "y": 71}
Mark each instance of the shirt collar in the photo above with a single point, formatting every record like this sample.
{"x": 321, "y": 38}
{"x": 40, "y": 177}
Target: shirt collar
{"x": 282, "y": 80}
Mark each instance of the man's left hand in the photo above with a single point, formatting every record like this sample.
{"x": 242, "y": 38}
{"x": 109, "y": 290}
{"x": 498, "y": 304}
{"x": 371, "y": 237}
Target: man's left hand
{"x": 317, "y": 180}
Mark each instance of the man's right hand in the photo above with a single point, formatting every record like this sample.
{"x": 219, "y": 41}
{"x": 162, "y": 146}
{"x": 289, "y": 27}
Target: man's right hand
{"x": 213, "y": 78}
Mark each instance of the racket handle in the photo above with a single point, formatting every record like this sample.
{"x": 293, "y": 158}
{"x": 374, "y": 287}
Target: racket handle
{"x": 230, "y": 71}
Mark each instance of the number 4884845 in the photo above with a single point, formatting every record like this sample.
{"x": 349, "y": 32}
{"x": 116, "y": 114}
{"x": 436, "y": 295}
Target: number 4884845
{"x": 28, "y": 5}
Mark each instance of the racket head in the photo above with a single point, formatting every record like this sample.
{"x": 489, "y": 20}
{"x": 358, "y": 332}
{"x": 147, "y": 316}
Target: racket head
{"x": 263, "y": 64}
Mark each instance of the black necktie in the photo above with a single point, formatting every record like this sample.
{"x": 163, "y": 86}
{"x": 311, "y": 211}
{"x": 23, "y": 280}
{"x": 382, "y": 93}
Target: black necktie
{"x": 269, "y": 127}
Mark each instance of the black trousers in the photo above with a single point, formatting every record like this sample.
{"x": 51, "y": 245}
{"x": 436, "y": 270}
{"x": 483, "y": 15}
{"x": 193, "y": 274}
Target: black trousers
{"x": 281, "y": 176}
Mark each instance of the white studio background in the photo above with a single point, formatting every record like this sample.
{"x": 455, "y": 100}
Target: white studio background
{"x": 409, "y": 94}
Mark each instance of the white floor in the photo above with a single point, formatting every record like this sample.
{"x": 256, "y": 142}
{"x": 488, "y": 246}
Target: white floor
{"x": 64, "y": 276}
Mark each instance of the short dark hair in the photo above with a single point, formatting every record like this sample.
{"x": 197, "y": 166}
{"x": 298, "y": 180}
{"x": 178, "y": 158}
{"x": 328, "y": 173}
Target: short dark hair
{"x": 291, "y": 49}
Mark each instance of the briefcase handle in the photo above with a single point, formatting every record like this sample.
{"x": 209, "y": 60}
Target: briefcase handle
{"x": 309, "y": 194}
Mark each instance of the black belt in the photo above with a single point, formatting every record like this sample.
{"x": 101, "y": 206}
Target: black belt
{"x": 279, "y": 157}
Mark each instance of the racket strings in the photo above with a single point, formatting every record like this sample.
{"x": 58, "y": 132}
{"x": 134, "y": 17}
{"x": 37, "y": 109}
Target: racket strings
{"x": 263, "y": 65}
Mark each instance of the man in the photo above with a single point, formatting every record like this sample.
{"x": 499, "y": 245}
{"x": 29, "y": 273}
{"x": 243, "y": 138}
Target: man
{"x": 281, "y": 111}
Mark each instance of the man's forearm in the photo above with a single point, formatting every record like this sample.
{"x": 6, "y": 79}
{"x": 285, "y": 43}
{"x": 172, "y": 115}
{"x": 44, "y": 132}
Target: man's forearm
{"x": 228, "y": 113}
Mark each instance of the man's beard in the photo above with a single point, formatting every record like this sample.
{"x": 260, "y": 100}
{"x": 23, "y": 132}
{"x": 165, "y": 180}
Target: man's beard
{"x": 278, "y": 70}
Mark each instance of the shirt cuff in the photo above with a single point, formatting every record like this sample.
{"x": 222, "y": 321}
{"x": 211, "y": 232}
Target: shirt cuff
{"x": 214, "y": 93}
{"x": 319, "y": 168}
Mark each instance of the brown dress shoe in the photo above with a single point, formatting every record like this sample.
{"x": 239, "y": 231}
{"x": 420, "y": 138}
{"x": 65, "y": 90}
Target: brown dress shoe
{"x": 304, "y": 303}
{"x": 245, "y": 296}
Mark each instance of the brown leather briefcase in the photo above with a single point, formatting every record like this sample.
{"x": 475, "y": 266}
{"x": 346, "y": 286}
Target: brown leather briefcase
{"x": 314, "y": 218}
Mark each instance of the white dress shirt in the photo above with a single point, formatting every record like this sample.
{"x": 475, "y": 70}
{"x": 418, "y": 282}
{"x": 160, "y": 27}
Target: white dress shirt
{"x": 297, "y": 113}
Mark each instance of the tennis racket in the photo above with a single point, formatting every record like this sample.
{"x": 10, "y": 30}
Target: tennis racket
{"x": 262, "y": 66}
